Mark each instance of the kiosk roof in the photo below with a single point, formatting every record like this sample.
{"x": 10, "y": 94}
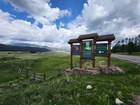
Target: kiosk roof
{"x": 88, "y": 36}
{"x": 73, "y": 41}
{"x": 109, "y": 37}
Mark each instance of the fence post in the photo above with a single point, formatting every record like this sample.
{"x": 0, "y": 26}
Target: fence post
{"x": 27, "y": 73}
{"x": 44, "y": 77}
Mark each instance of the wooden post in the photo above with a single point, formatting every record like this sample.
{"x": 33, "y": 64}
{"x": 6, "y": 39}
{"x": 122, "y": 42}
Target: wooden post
{"x": 93, "y": 53}
{"x": 80, "y": 54}
{"x": 44, "y": 77}
{"x": 34, "y": 76}
{"x": 71, "y": 64}
{"x": 94, "y": 48}
{"x": 109, "y": 52}
{"x": 27, "y": 73}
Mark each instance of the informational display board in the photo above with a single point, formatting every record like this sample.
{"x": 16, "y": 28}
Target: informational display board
{"x": 87, "y": 49}
{"x": 101, "y": 49}
{"x": 75, "y": 49}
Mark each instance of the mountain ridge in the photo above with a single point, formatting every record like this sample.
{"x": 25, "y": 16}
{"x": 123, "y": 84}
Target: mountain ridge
{"x": 4, "y": 47}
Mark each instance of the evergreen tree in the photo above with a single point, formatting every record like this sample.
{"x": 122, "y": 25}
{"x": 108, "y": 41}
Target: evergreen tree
{"x": 129, "y": 40}
{"x": 130, "y": 47}
{"x": 126, "y": 39}
{"x": 122, "y": 41}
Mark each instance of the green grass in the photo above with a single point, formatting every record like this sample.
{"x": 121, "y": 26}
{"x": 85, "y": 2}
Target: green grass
{"x": 51, "y": 65}
{"x": 6, "y": 76}
{"x": 133, "y": 54}
{"x": 49, "y": 62}
{"x": 22, "y": 55}
{"x": 66, "y": 89}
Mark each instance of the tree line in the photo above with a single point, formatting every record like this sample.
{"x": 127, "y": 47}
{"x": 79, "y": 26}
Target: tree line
{"x": 129, "y": 45}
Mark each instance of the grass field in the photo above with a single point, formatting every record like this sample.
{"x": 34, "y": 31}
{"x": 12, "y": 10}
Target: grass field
{"x": 16, "y": 89}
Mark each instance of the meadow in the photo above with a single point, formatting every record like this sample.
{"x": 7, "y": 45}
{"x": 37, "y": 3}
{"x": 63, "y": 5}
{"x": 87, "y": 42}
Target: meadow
{"x": 17, "y": 89}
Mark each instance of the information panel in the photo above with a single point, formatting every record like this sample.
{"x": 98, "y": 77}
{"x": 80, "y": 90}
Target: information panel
{"x": 101, "y": 49}
{"x": 87, "y": 49}
{"x": 75, "y": 49}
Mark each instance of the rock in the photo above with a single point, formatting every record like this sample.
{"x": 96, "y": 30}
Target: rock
{"x": 89, "y": 87}
{"x": 118, "y": 101}
{"x": 136, "y": 99}
{"x": 96, "y": 70}
{"x": 14, "y": 84}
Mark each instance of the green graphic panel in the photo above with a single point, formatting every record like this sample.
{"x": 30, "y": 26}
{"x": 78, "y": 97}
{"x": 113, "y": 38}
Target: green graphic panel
{"x": 101, "y": 52}
{"x": 87, "y": 49}
{"x": 101, "y": 49}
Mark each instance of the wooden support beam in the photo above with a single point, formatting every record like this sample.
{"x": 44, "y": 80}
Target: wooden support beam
{"x": 93, "y": 49}
{"x": 109, "y": 52}
{"x": 71, "y": 63}
{"x": 80, "y": 54}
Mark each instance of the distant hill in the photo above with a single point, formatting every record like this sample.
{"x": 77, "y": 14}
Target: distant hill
{"x": 22, "y": 48}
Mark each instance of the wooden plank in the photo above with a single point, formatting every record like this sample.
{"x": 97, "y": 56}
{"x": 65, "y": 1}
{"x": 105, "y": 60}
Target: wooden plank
{"x": 37, "y": 79}
{"x": 30, "y": 74}
{"x": 31, "y": 77}
{"x": 39, "y": 74}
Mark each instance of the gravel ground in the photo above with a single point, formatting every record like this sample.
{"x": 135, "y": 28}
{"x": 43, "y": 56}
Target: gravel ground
{"x": 134, "y": 59}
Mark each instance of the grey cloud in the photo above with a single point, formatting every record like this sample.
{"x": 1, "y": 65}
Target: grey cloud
{"x": 26, "y": 5}
{"x": 125, "y": 10}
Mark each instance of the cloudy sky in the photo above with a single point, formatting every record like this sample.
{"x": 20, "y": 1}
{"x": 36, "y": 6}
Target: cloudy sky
{"x": 53, "y": 22}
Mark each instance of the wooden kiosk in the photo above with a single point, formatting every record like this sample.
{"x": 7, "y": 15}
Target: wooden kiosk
{"x": 92, "y": 51}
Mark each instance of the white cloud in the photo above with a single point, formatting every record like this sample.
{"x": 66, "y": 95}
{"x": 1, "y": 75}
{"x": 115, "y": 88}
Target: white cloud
{"x": 105, "y": 17}
{"x": 130, "y": 32}
{"x": 61, "y": 24}
{"x": 12, "y": 28}
{"x": 93, "y": 11}
{"x": 22, "y": 31}
{"x": 29, "y": 16}
{"x": 118, "y": 17}
{"x": 39, "y": 9}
